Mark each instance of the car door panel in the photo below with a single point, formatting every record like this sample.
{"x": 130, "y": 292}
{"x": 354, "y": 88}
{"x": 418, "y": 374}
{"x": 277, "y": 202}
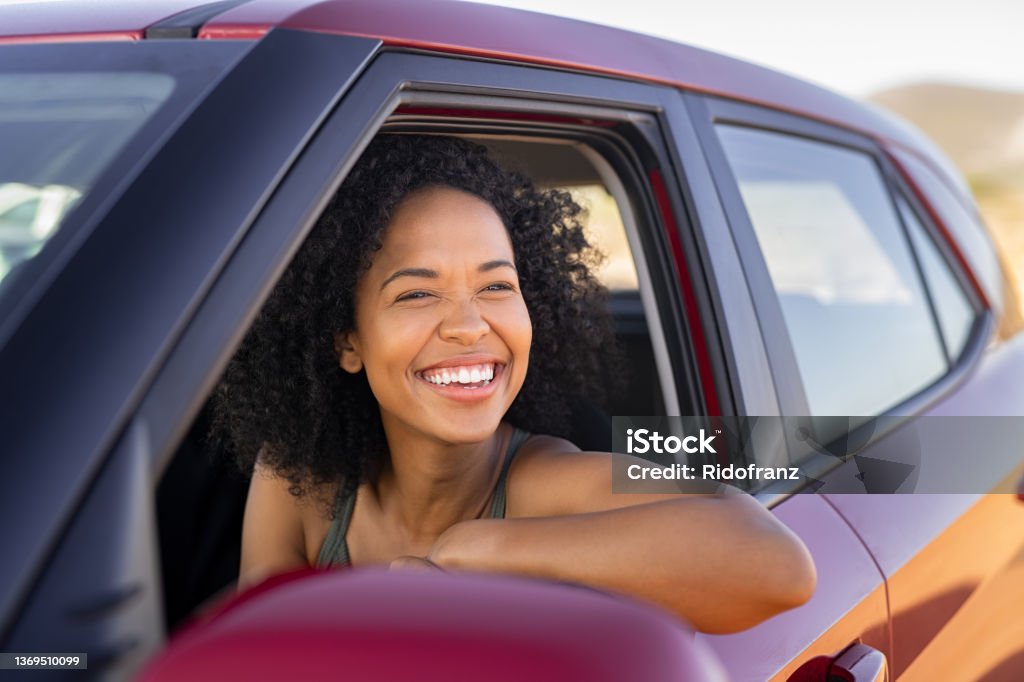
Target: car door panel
{"x": 99, "y": 594}
{"x": 849, "y": 604}
{"x": 952, "y": 562}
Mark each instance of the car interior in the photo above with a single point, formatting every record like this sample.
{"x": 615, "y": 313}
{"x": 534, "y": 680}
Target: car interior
{"x": 201, "y": 496}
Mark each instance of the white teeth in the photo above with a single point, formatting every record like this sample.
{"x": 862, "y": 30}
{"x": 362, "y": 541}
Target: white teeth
{"x": 461, "y": 375}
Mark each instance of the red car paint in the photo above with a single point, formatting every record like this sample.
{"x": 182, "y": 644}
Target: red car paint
{"x": 369, "y": 624}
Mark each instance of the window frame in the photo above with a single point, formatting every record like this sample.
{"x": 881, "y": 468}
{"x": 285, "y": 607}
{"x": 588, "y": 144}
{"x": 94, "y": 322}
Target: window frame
{"x": 710, "y": 111}
{"x": 396, "y": 77}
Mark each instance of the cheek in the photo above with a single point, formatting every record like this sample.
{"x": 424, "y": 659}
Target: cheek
{"x": 527, "y": 331}
{"x": 519, "y": 334}
{"x": 387, "y": 350}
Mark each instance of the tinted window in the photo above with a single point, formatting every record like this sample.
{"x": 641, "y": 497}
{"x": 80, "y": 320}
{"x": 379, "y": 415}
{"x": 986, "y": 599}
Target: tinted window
{"x": 951, "y": 304}
{"x": 58, "y": 131}
{"x": 965, "y": 227}
{"x": 851, "y": 296}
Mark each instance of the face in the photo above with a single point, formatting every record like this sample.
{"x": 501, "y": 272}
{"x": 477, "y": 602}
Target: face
{"x": 442, "y": 330}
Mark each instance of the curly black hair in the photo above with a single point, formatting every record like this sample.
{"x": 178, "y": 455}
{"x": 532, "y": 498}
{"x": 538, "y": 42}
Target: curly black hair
{"x": 284, "y": 397}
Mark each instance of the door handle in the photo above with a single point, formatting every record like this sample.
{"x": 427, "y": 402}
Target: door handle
{"x": 856, "y": 663}
{"x": 859, "y": 663}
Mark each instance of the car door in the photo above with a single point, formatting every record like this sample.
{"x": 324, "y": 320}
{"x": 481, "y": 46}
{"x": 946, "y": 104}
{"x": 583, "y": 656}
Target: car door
{"x": 849, "y": 606}
{"x": 864, "y": 308}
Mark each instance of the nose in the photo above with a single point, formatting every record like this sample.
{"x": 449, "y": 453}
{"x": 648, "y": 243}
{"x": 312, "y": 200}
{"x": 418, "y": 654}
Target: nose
{"x": 464, "y": 324}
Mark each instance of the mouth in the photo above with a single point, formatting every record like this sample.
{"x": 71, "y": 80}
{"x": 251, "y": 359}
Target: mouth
{"x": 463, "y": 382}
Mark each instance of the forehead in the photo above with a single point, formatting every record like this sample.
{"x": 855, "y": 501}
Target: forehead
{"x": 443, "y": 224}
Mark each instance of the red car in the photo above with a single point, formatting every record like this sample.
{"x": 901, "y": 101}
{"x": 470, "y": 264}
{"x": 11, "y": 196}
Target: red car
{"x": 775, "y": 249}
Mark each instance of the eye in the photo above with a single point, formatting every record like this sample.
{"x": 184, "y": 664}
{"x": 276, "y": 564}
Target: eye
{"x": 499, "y": 286}
{"x": 413, "y": 296}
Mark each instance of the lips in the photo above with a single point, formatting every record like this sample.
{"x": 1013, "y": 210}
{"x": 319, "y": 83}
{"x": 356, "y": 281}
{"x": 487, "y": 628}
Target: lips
{"x": 464, "y": 379}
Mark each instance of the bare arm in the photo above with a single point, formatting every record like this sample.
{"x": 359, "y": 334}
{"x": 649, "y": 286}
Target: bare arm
{"x": 272, "y": 531}
{"x": 722, "y": 562}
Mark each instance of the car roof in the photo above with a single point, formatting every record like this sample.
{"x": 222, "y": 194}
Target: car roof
{"x": 468, "y": 28}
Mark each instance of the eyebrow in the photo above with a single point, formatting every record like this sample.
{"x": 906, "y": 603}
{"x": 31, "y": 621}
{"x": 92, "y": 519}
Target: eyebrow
{"x": 427, "y": 273}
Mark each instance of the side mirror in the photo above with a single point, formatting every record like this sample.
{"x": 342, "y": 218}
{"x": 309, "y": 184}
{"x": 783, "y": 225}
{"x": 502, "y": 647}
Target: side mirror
{"x": 369, "y": 624}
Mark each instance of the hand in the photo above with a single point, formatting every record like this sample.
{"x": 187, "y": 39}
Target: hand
{"x": 468, "y": 545}
{"x": 414, "y": 563}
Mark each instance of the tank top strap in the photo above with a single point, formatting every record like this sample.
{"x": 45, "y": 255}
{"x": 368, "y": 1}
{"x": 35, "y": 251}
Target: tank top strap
{"x": 519, "y": 437}
{"x": 334, "y": 551}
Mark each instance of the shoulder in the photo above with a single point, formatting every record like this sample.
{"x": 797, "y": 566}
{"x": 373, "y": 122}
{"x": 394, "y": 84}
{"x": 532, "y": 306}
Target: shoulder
{"x": 542, "y": 476}
{"x": 278, "y": 526}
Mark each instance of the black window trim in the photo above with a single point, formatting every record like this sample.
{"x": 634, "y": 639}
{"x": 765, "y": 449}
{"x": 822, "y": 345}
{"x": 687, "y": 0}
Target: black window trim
{"x": 709, "y": 111}
{"x": 900, "y": 189}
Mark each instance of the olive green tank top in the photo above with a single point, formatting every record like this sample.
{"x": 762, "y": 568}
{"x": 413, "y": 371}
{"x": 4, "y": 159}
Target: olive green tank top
{"x": 334, "y": 551}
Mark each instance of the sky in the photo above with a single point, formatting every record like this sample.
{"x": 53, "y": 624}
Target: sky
{"x": 856, "y": 48}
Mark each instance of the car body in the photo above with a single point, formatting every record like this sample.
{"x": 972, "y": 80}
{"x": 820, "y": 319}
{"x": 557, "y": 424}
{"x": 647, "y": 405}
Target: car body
{"x": 220, "y": 131}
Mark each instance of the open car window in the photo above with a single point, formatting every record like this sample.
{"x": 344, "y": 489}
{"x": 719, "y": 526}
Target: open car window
{"x": 552, "y": 164}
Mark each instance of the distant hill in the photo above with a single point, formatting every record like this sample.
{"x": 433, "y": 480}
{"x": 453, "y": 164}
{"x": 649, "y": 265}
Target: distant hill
{"x": 982, "y": 130}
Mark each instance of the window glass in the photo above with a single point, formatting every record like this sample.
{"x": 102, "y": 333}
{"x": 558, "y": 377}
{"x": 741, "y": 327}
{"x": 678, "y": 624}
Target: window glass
{"x": 58, "y": 131}
{"x": 851, "y": 296}
{"x": 951, "y": 303}
{"x": 604, "y": 228}
{"x": 966, "y": 228}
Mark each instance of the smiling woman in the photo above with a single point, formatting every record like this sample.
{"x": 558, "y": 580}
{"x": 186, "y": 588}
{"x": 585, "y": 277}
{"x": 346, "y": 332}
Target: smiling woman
{"x": 442, "y": 329}
{"x": 404, "y": 398}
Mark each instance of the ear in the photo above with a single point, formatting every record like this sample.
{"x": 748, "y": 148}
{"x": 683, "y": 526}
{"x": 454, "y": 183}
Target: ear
{"x": 348, "y": 357}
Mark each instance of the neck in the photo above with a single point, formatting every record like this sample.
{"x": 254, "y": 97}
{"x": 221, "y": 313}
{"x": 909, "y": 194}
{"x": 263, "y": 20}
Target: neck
{"x": 427, "y": 485}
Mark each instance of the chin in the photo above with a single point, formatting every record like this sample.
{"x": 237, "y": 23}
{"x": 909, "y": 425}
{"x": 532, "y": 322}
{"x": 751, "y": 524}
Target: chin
{"x": 465, "y": 431}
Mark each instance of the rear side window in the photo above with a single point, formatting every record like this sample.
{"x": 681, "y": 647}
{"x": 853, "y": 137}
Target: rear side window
{"x": 952, "y": 306}
{"x": 860, "y": 321}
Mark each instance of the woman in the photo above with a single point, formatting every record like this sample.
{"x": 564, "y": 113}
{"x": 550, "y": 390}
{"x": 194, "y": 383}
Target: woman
{"x": 383, "y": 402}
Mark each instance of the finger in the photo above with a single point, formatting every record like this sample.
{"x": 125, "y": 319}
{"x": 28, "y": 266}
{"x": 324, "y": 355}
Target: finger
{"x": 414, "y": 563}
